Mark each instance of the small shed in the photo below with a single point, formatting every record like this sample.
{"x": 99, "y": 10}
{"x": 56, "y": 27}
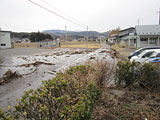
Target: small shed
{"x": 5, "y": 39}
{"x": 49, "y": 44}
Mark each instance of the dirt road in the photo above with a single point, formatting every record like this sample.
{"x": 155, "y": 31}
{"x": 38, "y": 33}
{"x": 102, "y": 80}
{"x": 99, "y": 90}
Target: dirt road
{"x": 52, "y": 61}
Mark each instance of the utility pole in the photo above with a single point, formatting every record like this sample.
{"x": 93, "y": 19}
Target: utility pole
{"x": 159, "y": 15}
{"x": 87, "y": 37}
{"x": 0, "y": 38}
{"x": 138, "y": 22}
{"x": 66, "y": 35}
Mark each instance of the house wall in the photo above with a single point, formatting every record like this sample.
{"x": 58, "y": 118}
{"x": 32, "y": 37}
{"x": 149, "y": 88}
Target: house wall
{"x": 113, "y": 40}
{"x": 124, "y": 42}
{"x": 127, "y": 32}
{"x": 48, "y": 44}
{"x": 5, "y": 40}
{"x": 145, "y": 41}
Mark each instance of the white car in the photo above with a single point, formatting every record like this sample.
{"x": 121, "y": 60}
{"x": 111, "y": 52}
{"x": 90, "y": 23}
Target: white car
{"x": 141, "y": 58}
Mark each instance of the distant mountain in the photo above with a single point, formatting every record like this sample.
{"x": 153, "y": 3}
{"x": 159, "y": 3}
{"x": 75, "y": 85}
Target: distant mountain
{"x": 56, "y": 32}
{"x": 75, "y": 33}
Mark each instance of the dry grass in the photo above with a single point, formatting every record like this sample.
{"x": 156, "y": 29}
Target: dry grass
{"x": 104, "y": 72}
{"x": 118, "y": 47}
{"x": 92, "y": 45}
{"x": 121, "y": 104}
{"x": 72, "y": 44}
{"x": 97, "y": 71}
{"x": 122, "y": 50}
{"x": 125, "y": 53}
{"x": 25, "y": 45}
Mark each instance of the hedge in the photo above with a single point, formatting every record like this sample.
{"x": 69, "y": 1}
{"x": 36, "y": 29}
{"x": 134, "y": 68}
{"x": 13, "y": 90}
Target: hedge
{"x": 61, "y": 98}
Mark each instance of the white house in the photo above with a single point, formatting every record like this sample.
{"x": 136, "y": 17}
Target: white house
{"x": 101, "y": 39}
{"x": 114, "y": 38}
{"x": 125, "y": 34}
{"x": 5, "y": 39}
{"x": 49, "y": 43}
{"x": 26, "y": 40}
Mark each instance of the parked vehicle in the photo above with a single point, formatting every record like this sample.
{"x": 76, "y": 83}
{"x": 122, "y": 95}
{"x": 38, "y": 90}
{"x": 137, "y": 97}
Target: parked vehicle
{"x": 145, "y": 55}
{"x": 139, "y": 51}
{"x": 153, "y": 60}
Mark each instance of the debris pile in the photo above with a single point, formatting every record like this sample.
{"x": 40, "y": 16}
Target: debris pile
{"x": 8, "y": 76}
{"x": 92, "y": 57}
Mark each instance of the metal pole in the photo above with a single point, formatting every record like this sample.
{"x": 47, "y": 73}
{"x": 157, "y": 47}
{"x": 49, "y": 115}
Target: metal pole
{"x": 159, "y": 16}
{"x": 66, "y": 35}
{"x": 0, "y": 38}
{"x": 138, "y": 22}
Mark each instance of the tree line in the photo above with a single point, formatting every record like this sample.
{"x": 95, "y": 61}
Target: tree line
{"x": 34, "y": 36}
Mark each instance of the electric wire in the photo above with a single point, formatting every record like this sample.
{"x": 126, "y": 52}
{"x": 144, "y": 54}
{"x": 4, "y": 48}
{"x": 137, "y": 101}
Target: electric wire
{"x": 55, "y": 13}
{"x": 63, "y": 13}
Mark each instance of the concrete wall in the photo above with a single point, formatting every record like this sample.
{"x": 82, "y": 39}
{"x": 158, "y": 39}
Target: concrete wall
{"x": 5, "y": 40}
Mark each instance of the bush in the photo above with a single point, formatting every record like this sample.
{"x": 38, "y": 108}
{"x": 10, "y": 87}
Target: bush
{"x": 63, "y": 97}
{"x": 149, "y": 76}
{"x": 130, "y": 74}
{"x": 126, "y": 74}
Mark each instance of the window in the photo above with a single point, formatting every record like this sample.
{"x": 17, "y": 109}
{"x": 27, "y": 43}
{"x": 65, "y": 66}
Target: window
{"x": 148, "y": 54}
{"x": 3, "y": 44}
{"x": 143, "y": 39}
{"x": 152, "y": 41}
{"x": 158, "y": 55}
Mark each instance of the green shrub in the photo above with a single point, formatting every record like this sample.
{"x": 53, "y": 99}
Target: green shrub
{"x": 126, "y": 74}
{"x": 59, "y": 98}
{"x": 149, "y": 76}
{"x": 130, "y": 74}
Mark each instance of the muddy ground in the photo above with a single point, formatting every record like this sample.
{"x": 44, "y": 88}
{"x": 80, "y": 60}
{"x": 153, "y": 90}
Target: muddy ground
{"x": 35, "y": 65}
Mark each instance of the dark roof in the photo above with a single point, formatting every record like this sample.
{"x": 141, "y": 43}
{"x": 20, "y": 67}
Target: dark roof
{"x": 5, "y": 31}
{"x": 127, "y": 29}
{"x": 148, "y": 30}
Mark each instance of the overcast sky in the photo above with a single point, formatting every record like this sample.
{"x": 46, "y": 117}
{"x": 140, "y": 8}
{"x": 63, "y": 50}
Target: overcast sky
{"x": 99, "y": 15}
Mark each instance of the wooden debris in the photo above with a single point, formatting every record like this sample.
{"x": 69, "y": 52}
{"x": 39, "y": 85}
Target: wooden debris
{"x": 92, "y": 57}
{"x": 37, "y": 63}
{"x": 8, "y": 76}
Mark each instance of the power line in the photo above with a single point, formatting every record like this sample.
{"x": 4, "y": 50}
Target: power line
{"x": 63, "y": 13}
{"x": 55, "y": 13}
